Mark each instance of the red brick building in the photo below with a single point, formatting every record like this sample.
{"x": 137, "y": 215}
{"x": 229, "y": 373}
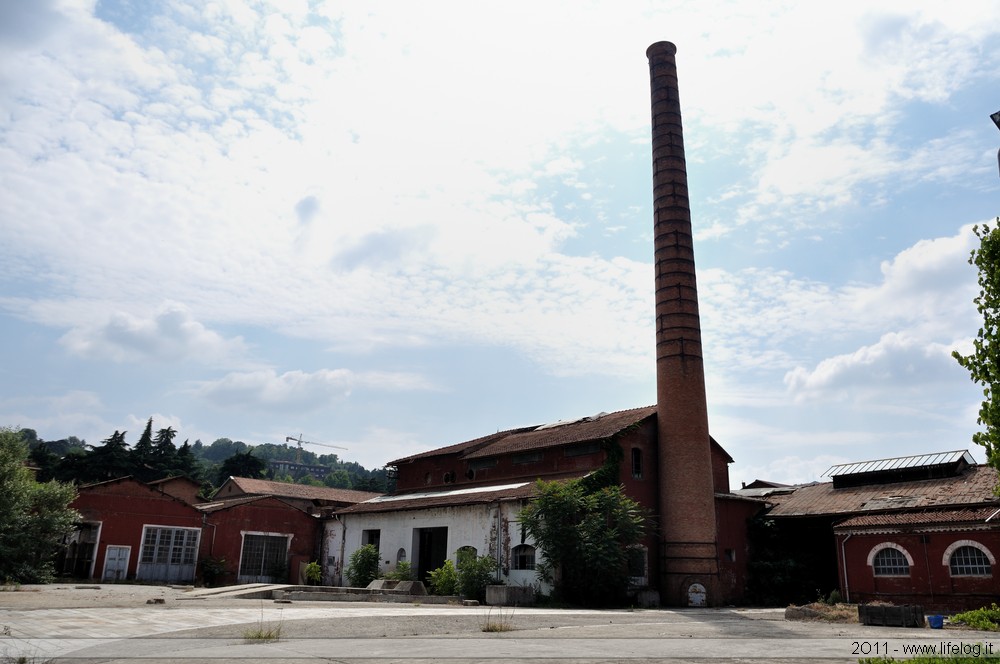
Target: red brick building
{"x": 259, "y": 539}
{"x": 911, "y": 530}
{"x": 130, "y": 530}
{"x": 469, "y": 494}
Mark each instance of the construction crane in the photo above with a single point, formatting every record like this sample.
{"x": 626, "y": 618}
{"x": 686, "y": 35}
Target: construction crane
{"x": 300, "y": 442}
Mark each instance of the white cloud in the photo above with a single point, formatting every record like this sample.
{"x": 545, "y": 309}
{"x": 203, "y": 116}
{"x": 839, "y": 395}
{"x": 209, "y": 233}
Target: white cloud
{"x": 303, "y": 390}
{"x": 169, "y": 335}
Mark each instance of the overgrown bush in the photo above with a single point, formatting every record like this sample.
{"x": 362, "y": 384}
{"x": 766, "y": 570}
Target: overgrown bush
{"x": 987, "y": 619}
{"x": 362, "y": 568}
{"x": 213, "y": 570}
{"x": 444, "y": 579}
{"x": 474, "y": 574}
{"x": 402, "y": 572}
{"x": 313, "y": 573}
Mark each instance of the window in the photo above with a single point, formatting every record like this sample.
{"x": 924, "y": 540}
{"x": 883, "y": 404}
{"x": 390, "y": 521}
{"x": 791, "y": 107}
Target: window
{"x": 526, "y": 458}
{"x": 174, "y": 546}
{"x": 890, "y": 562}
{"x": 582, "y": 449}
{"x": 373, "y": 537}
{"x": 522, "y": 556}
{"x": 264, "y": 555}
{"x": 483, "y": 464}
{"x": 969, "y": 561}
{"x": 636, "y": 463}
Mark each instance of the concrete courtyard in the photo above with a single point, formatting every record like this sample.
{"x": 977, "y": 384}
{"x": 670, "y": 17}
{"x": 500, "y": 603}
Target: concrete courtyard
{"x": 153, "y": 624}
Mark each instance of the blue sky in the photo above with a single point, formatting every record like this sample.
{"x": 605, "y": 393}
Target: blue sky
{"x": 395, "y": 226}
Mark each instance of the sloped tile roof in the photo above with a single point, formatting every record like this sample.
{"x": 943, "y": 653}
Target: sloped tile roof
{"x": 541, "y": 436}
{"x": 228, "y": 503}
{"x": 300, "y": 491}
{"x": 972, "y": 515}
{"x": 447, "y": 498}
{"x": 972, "y": 487}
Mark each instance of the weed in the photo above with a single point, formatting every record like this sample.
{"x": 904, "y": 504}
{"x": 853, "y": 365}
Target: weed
{"x": 264, "y": 631}
{"x": 501, "y": 622}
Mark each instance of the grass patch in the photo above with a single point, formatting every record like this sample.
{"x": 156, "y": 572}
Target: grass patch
{"x": 497, "y": 621}
{"x": 924, "y": 659}
{"x": 263, "y": 631}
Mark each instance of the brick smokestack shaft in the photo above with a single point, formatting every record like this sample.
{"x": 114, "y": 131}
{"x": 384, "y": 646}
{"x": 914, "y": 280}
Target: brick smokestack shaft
{"x": 687, "y": 497}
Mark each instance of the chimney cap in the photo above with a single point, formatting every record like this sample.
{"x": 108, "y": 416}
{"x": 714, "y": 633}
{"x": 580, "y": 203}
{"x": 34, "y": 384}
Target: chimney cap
{"x": 661, "y": 48}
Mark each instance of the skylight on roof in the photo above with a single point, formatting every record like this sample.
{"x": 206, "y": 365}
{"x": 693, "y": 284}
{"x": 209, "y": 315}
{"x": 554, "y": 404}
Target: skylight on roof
{"x": 899, "y": 463}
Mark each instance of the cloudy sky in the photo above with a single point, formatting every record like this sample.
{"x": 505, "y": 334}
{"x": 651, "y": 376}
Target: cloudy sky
{"x": 393, "y": 226}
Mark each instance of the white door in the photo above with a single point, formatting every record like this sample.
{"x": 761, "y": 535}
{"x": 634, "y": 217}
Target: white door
{"x": 116, "y": 563}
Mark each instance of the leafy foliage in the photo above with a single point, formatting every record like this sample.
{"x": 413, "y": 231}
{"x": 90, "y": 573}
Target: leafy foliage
{"x": 313, "y": 573}
{"x": 34, "y": 516}
{"x": 987, "y": 619}
{"x": 474, "y": 574}
{"x": 402, "y": 572}
{"x": 242, "y": 464}
{"x": 444, "y": 579}
{"x": 584, "y": 535}
{"x": 362, "y": 568}
{"x": 983, "y": 364}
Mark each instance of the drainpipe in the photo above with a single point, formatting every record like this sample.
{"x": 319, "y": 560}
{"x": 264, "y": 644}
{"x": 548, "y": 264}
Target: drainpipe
{"x": 843, "y": 560}
{"x": 343, "y": 545}
{"x": 206, "y": 524}
{"x": 499, "y": 549}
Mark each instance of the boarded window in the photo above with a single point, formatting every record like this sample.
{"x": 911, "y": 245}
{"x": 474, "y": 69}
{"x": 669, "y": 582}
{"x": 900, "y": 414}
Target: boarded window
{"x": 969, "y": 561}
{"x": 522, "y": 556}
{"x": 890, "y": 562}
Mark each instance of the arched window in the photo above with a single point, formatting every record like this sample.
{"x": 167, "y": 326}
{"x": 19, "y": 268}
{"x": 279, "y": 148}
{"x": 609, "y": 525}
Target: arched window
{"x": 889, "y": 559}
{"x": 890, "y": 562}
{"x": 969, "y": 561}
{"x": 522, "y": 556}
{"x": 465, "y": 553}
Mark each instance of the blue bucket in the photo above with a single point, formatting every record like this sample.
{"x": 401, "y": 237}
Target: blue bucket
{"x": 936, "y": 622}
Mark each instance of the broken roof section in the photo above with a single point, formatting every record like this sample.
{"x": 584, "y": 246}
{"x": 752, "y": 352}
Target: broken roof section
{"x": 901, "y": 469}
{"x": 603, "y": 425}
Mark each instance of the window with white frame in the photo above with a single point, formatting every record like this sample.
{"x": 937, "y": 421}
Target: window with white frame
{"x": 890, "y": 562}
{"x": 969, "y": 561}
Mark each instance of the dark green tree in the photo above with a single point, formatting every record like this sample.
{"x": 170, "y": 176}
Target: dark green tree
{"x": 241, "y": 464}
{"x": 983, "y": 363}
{"x": 584, "y": 535}
{"x": 142, "y": 454}
{"x": 34, "y": 517}
{"x": 108, "y": 461}
{"x": 362, "y": 568}
{"x": 164, "y": 453}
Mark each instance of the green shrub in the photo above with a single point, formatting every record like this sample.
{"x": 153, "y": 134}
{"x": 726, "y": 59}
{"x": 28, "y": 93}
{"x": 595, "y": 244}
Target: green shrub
{"x": 444, "y": 579}
{"x": 362, "y": 568}
{"x": 984, "y": 619}
{"x": 474, "y": 574}
{"x": 402, "y": 572}
{"x": 313, "y": 573}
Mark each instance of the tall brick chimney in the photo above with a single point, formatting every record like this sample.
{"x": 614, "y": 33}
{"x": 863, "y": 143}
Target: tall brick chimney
{"x": 689, "y": 554}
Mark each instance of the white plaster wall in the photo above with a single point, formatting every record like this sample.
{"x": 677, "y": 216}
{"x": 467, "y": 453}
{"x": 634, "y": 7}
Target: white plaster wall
{"x": 471, "y": 525}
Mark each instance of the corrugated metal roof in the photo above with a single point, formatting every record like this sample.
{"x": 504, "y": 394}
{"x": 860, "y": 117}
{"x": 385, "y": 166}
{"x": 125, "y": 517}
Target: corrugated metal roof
{"x": 917, "y": 461}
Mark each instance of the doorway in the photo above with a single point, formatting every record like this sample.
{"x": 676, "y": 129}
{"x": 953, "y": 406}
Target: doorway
{"x": 430, "y": 548}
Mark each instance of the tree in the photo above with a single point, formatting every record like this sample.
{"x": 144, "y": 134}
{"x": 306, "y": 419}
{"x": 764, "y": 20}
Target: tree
{"x": 242, "y": 464}
{"x": 983, "y": 364}
{"x": 34, "y": 517}
{"x": 584, "y": 534}
{"x": 109, "y": 461}
{"x": 164, "y": 452}
{"x": 142, "y": 453}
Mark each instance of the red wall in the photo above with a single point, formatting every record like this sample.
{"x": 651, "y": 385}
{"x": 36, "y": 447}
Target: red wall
{"x": 930, "y": 583}
{"x": 123, "y": 507}
{"x": 223, "y": 533}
